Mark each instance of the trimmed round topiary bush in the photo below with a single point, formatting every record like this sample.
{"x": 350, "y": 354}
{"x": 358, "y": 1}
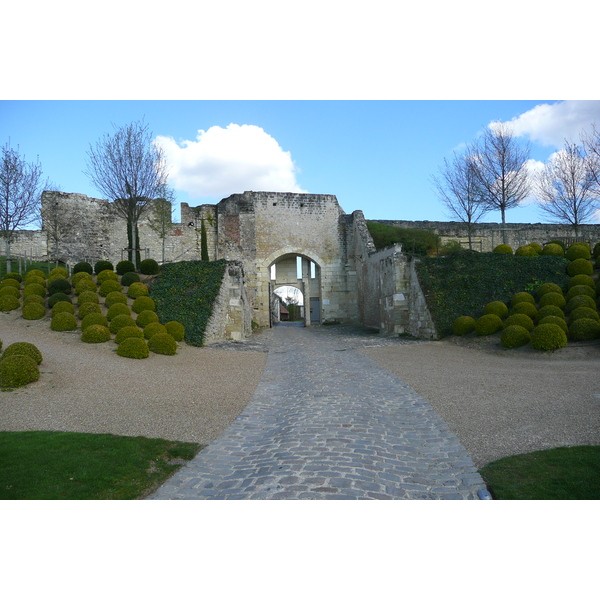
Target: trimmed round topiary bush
{"x": 12, "y": 283}
{"x": 109, "y": 286}
{"x": 514, "y": 336}
{"x": 596, "y": 250}
{"x": 95, "y": 334}
{"x": 10, "y": 291}
{"x": 34, "y": 288}
{"x": 580, "y": 266}
{"x": 58, "y": 297}
{"x": 537, "y": 247}
{"x": 548, "y": 310}
{"x": 558, "y": 243}
{"x": 521, "y": 320}
{"x": 115, "y": 298}
{"x": 63, "y": 306}
{"x": 107, "y": 275}
{"x": 485, "y": 325}
{"x": 77, "y": 277}
{"x": 137, "y": 289}
{"x": 145, "y": 318}
{"x": 149, "y": 267}
{"x": 13, "y": 275}
{"x": 121, "y": 321}
{"x": 154, "y": 328}
{"x": 17, "y": 371}
{"x": 94, "y": 319}
{"x": 496, "y": 308}
{"x": 102, "y": 265}
{"x": 127, "y": 332}
{"x": 583, "y": 312}
{"x": 581, "y": 280}
{"x": 554, "y": 299}
{"x": 581, "y": 290}
{"x": 8, "y": 303}
{"x": 522, "y": 297}
{"x": 578, "y": 250}
{"x": 557, "y": 321}
{"x": 162, "y": 343}
{"x": 460, "y": 326}
{"x": 37, "y": 273}
{"x": 503, "y": 249}
{"x": 125, "y": 266}
{"x": 524, "y": 308}
{"x": 118, "y": 309}
{"x": 526, "y": 251}
{"x": 177, "y": 330}
{"x": 133, "y": 347}
{"x": 59, "y": 285}
{"x": 63, "y": 321}
{"x": 547, "y": 288}
{"x": 36, "y": 279}
{"x": 88, "y": 297}
{"x": 24, "y": 348}
{"x": 143, "y": 303}
{"x": 34, "y": 298}
{"x": 83, "y": 267}
{"x": 129, "y": 278}
{"x": 548, "y": 336}
{"x": 88, "y": 308}
{"x": 584, "y": 330}
{"x": 59, "y": 272}
{"x": 34, "y": 311}
{"x": 85, "y": 285}
{"x": 581, "y": 300}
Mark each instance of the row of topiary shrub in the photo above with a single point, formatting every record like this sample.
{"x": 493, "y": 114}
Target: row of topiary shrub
{"x": 19, "y": 364}
{"x": 551, "y": 318}
{"x": 95, "y": 326}
{"x": 147, "y": 267}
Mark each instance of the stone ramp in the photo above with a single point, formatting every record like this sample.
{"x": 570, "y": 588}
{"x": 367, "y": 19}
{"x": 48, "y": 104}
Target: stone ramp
{"x": 326, "y": 422}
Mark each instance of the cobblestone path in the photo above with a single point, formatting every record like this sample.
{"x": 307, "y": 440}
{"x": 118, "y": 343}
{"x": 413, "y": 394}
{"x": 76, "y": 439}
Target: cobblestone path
{"x": 326, "y": 422}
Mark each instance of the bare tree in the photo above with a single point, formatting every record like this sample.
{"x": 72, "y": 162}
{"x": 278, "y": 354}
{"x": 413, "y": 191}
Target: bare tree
{"x": 458, "y": 188}
{"x": 566, "y": 190}
{"x": 161, "y": 216}
{"x": 20, "y": 189}
{"x": 591, "y": 144}
{"x": 128, "y": 168}
{"x": 501, "y": 169}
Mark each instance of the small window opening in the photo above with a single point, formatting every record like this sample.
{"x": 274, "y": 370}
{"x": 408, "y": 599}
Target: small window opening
{"x": 273, "y": 272}
{"x": 299, "y": 267}
{"x": 313, "y": 270}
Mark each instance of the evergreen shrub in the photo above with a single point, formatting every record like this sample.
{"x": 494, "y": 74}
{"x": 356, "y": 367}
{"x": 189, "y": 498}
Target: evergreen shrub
{"x": 177, "y": 330}
{"x": 88, "y": 308}
{"x": 548, "y": 310}
{"x": 88, "y": 297}
{"x": 578, "y": 250}
{"x": 33, "y": 311}
{"x": 58, "y": 297}
{"x": 8, "y": 303}
{"x": 109, "y": 286}
{"x": 93, "y": 319}
{"x": 526, "y": 251}
{"x": 127, "y": 332}
{"x": 106, "y": 275}
{"x": 34, "y": 298}
{"x": 63, "y": 306}
{"x": 580, "y": 266}
{"x": 36, "y": 279}
{"x": 414, "y": 241}
{"x": 59, "y": 285}
{"x": 11, "y": 283}
{"x": 102, "y": 265}
{"x": 521, "y": 320}
{"x": 548, "y": 336}
{"x": 59, "y": 272}
{"x": 522, "y": 297}
{"x": 584, "y": 329}
{"x": 581, "y": 280}
{"x": 496, "y": 308}
{"x": 37, "y": 273}
{"x": 460, "y": 326}
{"x": 34, "y": 288}
{"x": 115, "y": 298}
{"x": 137, "y": 289}
{"x": 596, "y": 251}
{"x": 24, "y": 348}
{"x": 556, "y": 320}
{"x": 581, "y": 300}
{"x": 514, "y": 336}
{"x": 143, "y": 303}
{"x": 133, "y": 347}
{"x": 558, "y": 243}
{"x": 17, "y": 371}
{"x": 95, "y": 334}
{"x": 85, "y": 285}
{"x": 503, "y": 249}
{"x": 149, "y": 267}
{"x": 487, "y": 324}
{"x": 117, "y": 309}
{"x": 129, "y": 278}
{"x": 553, "y": 298}
{"x": 581, "y": 290}
{"x": 547, "y": 288}
{"x": 583, "y": 312}
{"x": 63, "y": 321}
{"x": 121, "y": 321}
{"x": 154, "y": 328}
{"x": 537, "y": 247}
{"x": 13, "y": 275}
{"x": 524, "y": 308}
{"x": 162, "y": 343}
{"x": 10, "y": 291}
{"x": 83, "y": 267}
{"x": 145, "y": 318}
{"x": 77, "y": 277}
{"x": 125, "y": 266}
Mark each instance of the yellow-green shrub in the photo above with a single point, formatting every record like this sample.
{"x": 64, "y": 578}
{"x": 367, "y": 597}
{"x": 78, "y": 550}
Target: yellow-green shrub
{"x": 80, "y": 276}
{"x": 34, "y": 288}
{"x": 63, "y": 306}
{"x": 115, "y": 298}
{"x": 34, "y": 298}
{"x": 547, "y": 288}
{"x": 12, "y": 283}
{"x": 127, "y": 332}
{"x": 143, "y": 303}
{"x": 496, "y": 308}
{"x": 522, "y": 297}
{"x": 580, "y": 266}
{"x": 162, "y": 343}
{"x": 95, "y": 334}
{"x": 121, "y": 321}
{"x": 59, "y": 272}
{"x": 93, "y": 319}
{"x": 578, "y": 250}
{"x": 117, "y": 309}
{"x": 581, "y": 300}
{"x": 521, "y": 320}
{"x": 8, "y": 303}
{"x": 24, "y": 348}
{"x": 137, "y": 289}
{"x": 503, "y": 249}
{"x": 133, "y": 347}
{"x": 526, "y": 251}
{"x": 177, "y": 330}
{"x": 584, "y": 329}
{"x": 556, "y": 320}
{"x": 548, "y": 336}
{"x": 154, "y": 328}
{"x": 554, "y": 299}
{"x": 583, "y": 312}
{"x": 524, "y": 308}
{"x": 110, "y": 285}
{"x": 33, "y": 311}
{"x": 579, "y": 290}
{"x": 485, "y": 325}
{"x": 89, "y": 307}
{"x": 145, "y": 318}
{"x": 10, "y": 291}
{"x": 18, "y": 370}
{"x": 514, "y": 336}
{"x": 85, "y": 285}
{"x": 63, "y": 321}
{"x": 581, "y": 280}
{"x": 88, "y": 297}
{"x": 107, "y": 275}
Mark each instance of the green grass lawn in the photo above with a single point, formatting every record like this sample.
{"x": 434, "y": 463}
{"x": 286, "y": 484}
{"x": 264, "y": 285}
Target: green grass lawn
{"x": 571, "y": 473}
{"x": 47, "y": 465}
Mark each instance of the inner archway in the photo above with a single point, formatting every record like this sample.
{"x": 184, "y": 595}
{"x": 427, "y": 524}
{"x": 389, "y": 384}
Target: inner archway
{"x": 288, "y": 304}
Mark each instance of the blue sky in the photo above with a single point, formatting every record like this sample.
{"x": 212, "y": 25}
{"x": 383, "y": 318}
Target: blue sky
{"x": 375, "y": 156}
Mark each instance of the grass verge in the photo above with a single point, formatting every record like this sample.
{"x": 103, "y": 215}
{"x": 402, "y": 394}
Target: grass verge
{"x": 571, "y": 473}
{"x": 50, "y": 465}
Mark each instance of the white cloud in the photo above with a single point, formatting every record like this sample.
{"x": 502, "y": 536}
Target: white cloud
{"x": 552, "y": 124}
{"x": 226, "y": 161}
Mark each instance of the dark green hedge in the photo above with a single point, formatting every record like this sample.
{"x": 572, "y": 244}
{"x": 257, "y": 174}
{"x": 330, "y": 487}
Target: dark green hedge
{"x": 463, "y": 283}
{"x": 414, "y": 241}
{"x": 185, "y": 292}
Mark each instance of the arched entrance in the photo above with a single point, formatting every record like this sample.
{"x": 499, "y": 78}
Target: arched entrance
{"x": 293, "y": 271}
